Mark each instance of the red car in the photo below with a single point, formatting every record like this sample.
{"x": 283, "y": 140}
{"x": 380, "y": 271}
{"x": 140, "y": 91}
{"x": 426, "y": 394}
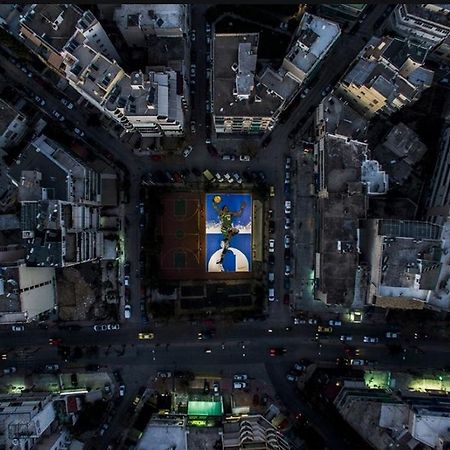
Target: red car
{"x": 55, "y": 341}
{"x": 286, "y": 299}
{"x": 277, "y": 351}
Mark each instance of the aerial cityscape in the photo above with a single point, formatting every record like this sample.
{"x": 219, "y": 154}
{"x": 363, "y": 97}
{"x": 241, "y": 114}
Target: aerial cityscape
{"x": 225, "y": 226}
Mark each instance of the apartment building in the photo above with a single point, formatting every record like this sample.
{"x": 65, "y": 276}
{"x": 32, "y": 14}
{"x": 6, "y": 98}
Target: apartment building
{"x": 253, "y": 432}
{"x": 25, "y": 419}
{"x": 439, "y": 200}
{"x": 387, "y": 75}
{"x": 138, "y": 23}
{"x": 313, "y": 39}
{"x": 46, "y": 29}
{"x": 428, "y": 24}
{"x": 406, "y": 263}
{"x": 395, "y": 420}
{"x": 12, "y": 125}
{"x": 26, "y": 293}
{"x": 60, "y": 206}
{"x": 346, "y": 177}
{"x": 240, "y": 103}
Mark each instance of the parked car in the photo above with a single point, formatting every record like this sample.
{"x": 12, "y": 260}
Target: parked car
{"x": 244, "y": 158}
{"x": 271, "y": 295}
{"x": 346, "y": 338}
{"x": 228, "y": 177}
{"x": 127, "y": 312}
{"x": 287, "y": 223}
{"x": 312, "y": 321}
{"x": 335, "y": 323}
{"x": 240, "y": 384}
{"x": 286, "y": 299}
{"x": 228, "y": 157}
{"x": 66, "y": 103}
{"x": 122, "y": 390}
{"x": 78, "y": 132}
{"x": 271, "y": 277}
{"x": 237, "y": 177}
{"x": 287, "y": 241}
{"x": 40, "y": 101}
{"x": 240, "y": 377}
{"x": 271, "y": 245}
{"x": 164, "y": 374}
{"x": 287, "y": 207}
{"x": 272, "y": 190}
{"x": 10, "y": 370}
{"x": 287, "y": 164}
{"x": 291, "y": 376}
{"x": 18, "y": 328}
{"x": 51, "y": 367}
{"x": 370, "y": 339}
{"x": 58, "y": 115}
{"x": 392, "y": 334}
{"x": 287, "y": 270}
{"x": 219, "y": 178}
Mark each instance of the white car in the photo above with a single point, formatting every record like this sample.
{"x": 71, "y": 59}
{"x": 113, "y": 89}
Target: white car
{"x": 127, "y": 312}
{"x": 240, "y": 385}
{"x": 58, "y": 115}
{"x": 187, "y": 151}
{"x": 219, "y": 178}
{"x": 335, "y": 323}
{"x": 271, "y": 245}
{"x": 126, "y": 280}
{"x": 240, "y": 377}
{"x": 292, "y": 377}
{"x": 370, "y": 340}
{"x": 287, "y": 241}
{"x": 18, "y": 328}
{"x": 78, "y": 132}
{"x": 66, "y": 103}
{"x": 271, "y": 295}
{"x": 287, "y": 165}
{"x": 271, "y": 277}
{"x": 237, "y": 177}
{"x": 244, "y": 158}
{"x": 121, "y": 390}
{"x": 287, "y": 207}
{"x": 357, "y": 362}
{"x": 346, "y": 338}
{"x": 229, "y": 178}
{"x": 312, "y": 321}
{"x": 392, "y": 335}
{"x": 9, "y": 370}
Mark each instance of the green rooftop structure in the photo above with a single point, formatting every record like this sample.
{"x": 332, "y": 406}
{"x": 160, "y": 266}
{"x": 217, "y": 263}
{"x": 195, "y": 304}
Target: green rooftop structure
{"x": 205, "y": 408}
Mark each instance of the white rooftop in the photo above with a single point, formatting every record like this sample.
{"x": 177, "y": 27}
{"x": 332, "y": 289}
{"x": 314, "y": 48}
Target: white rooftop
{"x": 427, "y": 427}
{"x": 152, "y": 15}
{"x": 163, "y": 435}
{"x": 305, "y": 55}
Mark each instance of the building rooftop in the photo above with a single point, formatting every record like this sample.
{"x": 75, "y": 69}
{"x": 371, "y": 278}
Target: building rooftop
{"x": 280, "y": 82}
{"x": 35, "y": 172}
{"x": 226, "y": 58}
{"x": 410, "y": 259}
{"x": 7, "y": 115}
{"x": 343, "y": 203}
{"x": 431, "y": 13}
{"x": 156, "y": 18}
{"x": 53, "y": 23}
{"x": 405, "y": 143}
{"x": 342, "y": 119}
{"x": 314, "y": 36}
{"x": 162, "y": 434}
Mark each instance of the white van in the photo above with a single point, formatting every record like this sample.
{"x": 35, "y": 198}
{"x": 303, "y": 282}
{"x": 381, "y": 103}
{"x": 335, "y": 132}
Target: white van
{"x": 271, "y": 295}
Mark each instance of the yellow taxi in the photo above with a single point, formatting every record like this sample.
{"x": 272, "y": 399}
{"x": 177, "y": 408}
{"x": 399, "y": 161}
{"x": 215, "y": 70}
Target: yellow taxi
{"x": 146, "y": 335}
